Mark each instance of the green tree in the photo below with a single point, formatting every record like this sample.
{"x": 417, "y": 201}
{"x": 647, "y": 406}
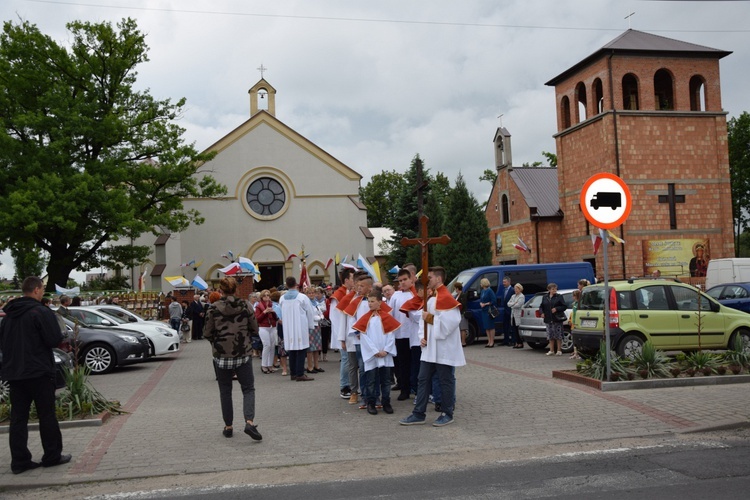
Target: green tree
{"x": 489, "y": 175}
{"x": 28, "y": 260}
{"x": 738, "y": 130}
{"x": 377, "y": 196}
{"x": 466, "y": 225}
{"x": 85, "y": 158}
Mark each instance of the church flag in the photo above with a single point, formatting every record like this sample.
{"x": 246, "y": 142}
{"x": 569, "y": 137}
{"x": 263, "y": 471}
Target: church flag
{"x": 199, "y": 283}
{"x": 304, "y": 279}
{"x": 363, "y": 264}
{"x": 338, "y": 259}
{"x": 232, "y": 268}
{"x": 291, "y": 256}
{"x": 67, "y": 291}
{"x": 328, "y": 264}
{"x": 394, "y": 270}
{"x": 376, "y": 267}
{"x": 615, "y": 238}
{"x": 521, "y": 246}
{"x": 177, "y": 280}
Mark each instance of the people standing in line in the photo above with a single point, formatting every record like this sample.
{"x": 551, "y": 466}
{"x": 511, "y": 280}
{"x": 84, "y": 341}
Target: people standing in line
{"x": 441, "y": 351}
{"x": 460, "y": 296}
{"x": 553, "y": 309}
{"x": 197, "y": 313}
{"x": 403, "y": 335}
{"x": 338, "y": 333}
{"x": 297, "y": 315}
{"x": 175, "y": 315}
{"x": 515, "y": 303}
{"x": 487, "y": 299}
{"x": 347, "y": 341}
{"x": 378, "y": 346}
{"x": 267, "y": 325}
{"x": 355, "y": 310}
{"x": 230, "y": 325}
{"x": 28, "y": 333}
{"x": 506, "y": 294}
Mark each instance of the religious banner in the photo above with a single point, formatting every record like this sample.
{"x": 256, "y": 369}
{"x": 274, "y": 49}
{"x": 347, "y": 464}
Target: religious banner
{"x": 505, "y": 241}
{"x": 678, "y": 257}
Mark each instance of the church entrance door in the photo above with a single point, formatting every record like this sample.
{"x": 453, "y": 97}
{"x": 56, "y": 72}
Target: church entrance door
{"x": 271, "y": 275}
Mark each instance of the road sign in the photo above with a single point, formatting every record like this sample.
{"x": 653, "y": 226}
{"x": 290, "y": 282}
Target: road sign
{"x": 605, "y": 200}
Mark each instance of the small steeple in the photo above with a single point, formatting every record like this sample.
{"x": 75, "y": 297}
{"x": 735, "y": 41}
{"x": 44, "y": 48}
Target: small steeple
{"x": 263, "y": 91}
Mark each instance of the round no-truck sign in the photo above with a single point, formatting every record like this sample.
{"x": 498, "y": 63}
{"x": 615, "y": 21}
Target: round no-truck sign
{"x": 605, "y": 200}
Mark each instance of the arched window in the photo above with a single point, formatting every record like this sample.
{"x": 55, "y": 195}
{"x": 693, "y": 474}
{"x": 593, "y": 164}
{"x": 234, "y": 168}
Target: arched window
{"x": 697, "y": 93}
{"x": 581, "y": 101}
{"x": 630, "y": 92}
{"x": 506, "y": 209}
{"x": 663, "y": 90}
{"x": 598, "y": 96}
{"x": 565, "y": 111}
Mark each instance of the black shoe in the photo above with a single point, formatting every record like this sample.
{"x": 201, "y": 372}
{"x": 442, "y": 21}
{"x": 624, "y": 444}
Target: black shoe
{"x": 387, "y": 408}
{"x": 403, "y": 396}
{"x": 371, "y": 409}
{"x": 318, "y": 370}
{"x": 438, "y": 407}
{"x": 227, "y": 432}
{"x": 310, "y": 371}
{"x": 396, "y": 388}
{"x": 346, "y": 393}
{"x": 304, "y": 378}
{"x": 64, "y": 459}
{"x": 24, "y": 468}
{"x": 252, "y": 431}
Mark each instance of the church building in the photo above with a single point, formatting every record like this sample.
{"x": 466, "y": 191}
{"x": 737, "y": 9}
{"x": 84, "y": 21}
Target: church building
{"x": 285, "y": 195}
{"x": 647, "y": 109}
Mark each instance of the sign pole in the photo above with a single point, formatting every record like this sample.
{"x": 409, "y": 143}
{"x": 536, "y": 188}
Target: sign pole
{"x": 605, "y": 318}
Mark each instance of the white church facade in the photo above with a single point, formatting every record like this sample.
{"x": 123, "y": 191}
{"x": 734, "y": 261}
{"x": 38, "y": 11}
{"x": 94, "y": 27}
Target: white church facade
{"x": 283, "y": 193}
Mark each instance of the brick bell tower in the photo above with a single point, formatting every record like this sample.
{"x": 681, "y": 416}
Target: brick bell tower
{"x": 648, "y": 109}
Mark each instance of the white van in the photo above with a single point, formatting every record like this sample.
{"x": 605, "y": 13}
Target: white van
{"x": 733, "y": 270}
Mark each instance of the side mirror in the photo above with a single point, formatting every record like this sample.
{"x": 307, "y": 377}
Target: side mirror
{"x": 107, "y": 322}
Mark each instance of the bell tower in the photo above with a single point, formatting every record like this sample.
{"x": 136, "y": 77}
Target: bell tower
{"x": 262, "y": 95}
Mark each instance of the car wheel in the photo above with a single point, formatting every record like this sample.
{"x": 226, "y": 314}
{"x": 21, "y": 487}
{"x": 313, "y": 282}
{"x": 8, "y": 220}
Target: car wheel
{"x": 567, "y": 341}
{"x": 153, "y": 349}
{"x": 4, "y": 391}
{"x": 538, "y": 345}
{"x": 99, "y": 358}
{"x": 629, "y": 346}
{"x": 471, "y": 336}
{"x": 745, "y": 335}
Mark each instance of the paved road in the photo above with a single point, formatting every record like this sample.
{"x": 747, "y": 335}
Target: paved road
{"x": 509, "y": 408}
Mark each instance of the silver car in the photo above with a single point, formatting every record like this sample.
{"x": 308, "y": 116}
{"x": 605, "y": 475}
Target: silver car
{"x": 532, "y": 329}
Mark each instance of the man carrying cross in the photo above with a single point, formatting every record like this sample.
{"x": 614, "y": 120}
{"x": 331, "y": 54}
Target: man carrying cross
{"x": 441, "y": 351}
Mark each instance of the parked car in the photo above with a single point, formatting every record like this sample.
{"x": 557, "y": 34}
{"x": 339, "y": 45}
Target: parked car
{"x": 665, "y": 312}
{"x": 532, "y": 329}
{"x": 162, "y": 338}
{"x": 533, "y": 277}
{"x": 63, "y": 360}
{"x": 734, "y": 295}
{"x": 102, "y": 348}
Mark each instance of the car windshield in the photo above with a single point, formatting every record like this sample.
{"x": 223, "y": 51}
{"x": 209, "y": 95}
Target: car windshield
{"x": 461, "y": 278}
{"x": 114, "y": 319}
{"x": 127, "y": 316}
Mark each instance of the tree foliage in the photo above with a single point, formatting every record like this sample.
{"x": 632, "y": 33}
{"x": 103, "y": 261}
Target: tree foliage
{"x": 378, "y": 196}
{"x": 85, "y": 158}
{"x": 739, "y": 169}
{"x": 28, "y": 260}
{"x": 489, "y": 175}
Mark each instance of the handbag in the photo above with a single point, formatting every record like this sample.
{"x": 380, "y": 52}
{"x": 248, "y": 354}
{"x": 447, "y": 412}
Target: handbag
{"x": 185, "y": 326}
{"x": 561, "y": 317}
{"x": 493, "y": 312}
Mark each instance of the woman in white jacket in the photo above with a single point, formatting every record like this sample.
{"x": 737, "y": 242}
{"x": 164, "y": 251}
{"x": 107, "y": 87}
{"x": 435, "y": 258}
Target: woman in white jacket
{"x": 515, "y": 303}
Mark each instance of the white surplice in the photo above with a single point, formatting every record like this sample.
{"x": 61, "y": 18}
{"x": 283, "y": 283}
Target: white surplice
{"x": 375, "y": 341}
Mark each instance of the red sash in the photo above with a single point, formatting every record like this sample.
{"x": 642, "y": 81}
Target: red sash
{"x": 390, "y": 323}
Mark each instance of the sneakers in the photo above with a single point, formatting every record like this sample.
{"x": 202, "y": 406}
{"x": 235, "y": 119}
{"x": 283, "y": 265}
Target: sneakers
{"x": 438, "y": 407}
{"x": 387, "y": 408}
{"x": 346, "y": 393}
{"x": 371, "y": 409}
{"x": 411, "y": 420}
{"x": 559, "y": 353}
{"x": 443, "y": 420}
{"x": 363, "y": 406}
{"x": 550, "y": 353}
{"x": 252, "y": 431}
{"x": 353, "y": 399}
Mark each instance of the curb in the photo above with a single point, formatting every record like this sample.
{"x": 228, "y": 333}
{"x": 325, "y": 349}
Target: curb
{"x": 95, "y": 421}
{"x": 626, "y": 385}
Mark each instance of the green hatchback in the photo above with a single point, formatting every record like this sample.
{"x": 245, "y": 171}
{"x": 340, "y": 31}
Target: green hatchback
{"x": 667, "y": 313}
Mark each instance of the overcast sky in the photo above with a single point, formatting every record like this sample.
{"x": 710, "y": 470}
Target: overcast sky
{"x": 374, "y": 83}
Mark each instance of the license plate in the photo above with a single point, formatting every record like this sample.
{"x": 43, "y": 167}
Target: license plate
{"x": 588, "y": 323}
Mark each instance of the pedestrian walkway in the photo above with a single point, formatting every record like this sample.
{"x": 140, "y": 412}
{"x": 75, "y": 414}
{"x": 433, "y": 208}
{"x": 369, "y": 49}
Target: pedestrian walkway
{"x": 507, "y": 399}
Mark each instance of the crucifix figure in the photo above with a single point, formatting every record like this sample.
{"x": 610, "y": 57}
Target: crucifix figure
{"x": 672, "y": 199}
{"x": 425, "y": 240}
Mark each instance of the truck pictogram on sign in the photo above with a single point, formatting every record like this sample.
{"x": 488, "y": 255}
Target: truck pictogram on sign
{"x": 606, "y": 199}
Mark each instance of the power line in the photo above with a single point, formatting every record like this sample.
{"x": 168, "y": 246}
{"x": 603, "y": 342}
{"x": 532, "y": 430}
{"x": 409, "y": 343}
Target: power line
{"x": 366, "y": 20}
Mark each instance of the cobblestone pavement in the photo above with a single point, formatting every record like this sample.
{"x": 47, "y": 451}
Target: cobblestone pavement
{"x": 507, "y": 399}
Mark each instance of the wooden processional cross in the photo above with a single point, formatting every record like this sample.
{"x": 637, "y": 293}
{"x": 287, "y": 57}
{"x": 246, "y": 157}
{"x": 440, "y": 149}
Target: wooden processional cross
{"x": 425, "y": 240}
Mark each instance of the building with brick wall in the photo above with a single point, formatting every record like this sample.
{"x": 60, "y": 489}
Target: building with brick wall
{"x": 647, "y": 109}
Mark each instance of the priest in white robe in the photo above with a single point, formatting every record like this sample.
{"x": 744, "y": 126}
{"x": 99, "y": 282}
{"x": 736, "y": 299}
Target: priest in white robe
{"x": 297, "y": 317}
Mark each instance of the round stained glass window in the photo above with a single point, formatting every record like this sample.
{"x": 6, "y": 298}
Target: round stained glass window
{"x": 266, "y": 196}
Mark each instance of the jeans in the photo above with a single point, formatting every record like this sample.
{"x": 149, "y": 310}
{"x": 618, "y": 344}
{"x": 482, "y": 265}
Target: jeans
{"x": 352, "y": 365}
{"x": 363, "y": 380}
{"x": 379, "y": 379}
{"x": 297, "y": 362}
{"x": 344, "y": 369}
{"x": 247, "y": 383}
{"x": 447, "y": 386}
{"x": 416, "y": 356}
{"x": 437, "y": 393}
{"x": 42, "y": 392}
{"x": 175, "y": 323}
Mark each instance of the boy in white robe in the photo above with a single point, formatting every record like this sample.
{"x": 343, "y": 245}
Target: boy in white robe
{"x": 378, "y": 346}
{"x": 441, "y": 351}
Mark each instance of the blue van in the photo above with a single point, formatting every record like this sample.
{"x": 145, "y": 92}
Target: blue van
{"x": 533, "y": 277}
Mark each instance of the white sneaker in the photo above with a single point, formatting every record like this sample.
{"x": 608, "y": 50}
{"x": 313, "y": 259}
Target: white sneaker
{"x": 559, "y": 353}
{"x": 550, "y": 353}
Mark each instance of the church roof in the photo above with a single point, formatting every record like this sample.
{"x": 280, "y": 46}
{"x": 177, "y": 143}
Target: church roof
{"x": 634, "y": 42}
{"x": 539, "y": 188}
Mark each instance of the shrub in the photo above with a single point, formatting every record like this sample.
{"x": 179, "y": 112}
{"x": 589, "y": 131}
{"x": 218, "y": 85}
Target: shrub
{"x": 596, "y": 367}
{"x": 702, "y": 361}
{"x": 739, "y": 354}
{"x": 650, "y": 362}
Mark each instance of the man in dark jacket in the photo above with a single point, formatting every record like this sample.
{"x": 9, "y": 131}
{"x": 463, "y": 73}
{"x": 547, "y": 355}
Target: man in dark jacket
{"x": 27, "y": 335}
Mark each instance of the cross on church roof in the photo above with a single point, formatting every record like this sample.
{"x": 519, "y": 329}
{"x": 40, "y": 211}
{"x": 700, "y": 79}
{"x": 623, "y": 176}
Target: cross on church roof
{"x": 261, "y": 68}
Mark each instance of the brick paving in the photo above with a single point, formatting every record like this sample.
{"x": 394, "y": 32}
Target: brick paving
{"x": 506, "y": 399}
